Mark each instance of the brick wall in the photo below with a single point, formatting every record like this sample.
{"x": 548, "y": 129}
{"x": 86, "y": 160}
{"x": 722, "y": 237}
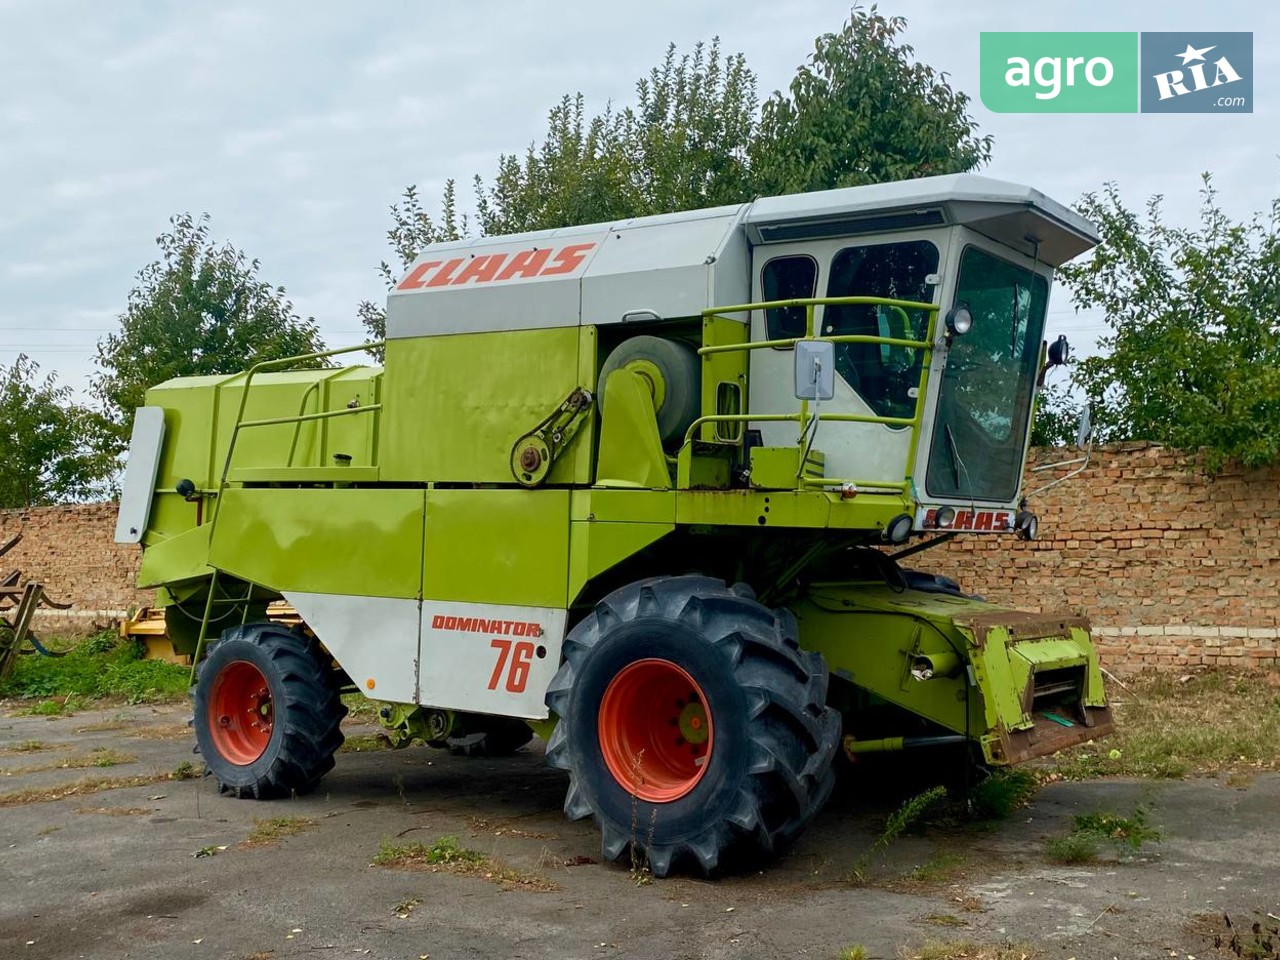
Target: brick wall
{"x": 1175, "y": 569}
{"x": 70, "y": 549}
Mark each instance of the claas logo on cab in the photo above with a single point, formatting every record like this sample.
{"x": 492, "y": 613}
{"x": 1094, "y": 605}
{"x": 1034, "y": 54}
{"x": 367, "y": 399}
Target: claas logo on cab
{"x": 497, "y": 267}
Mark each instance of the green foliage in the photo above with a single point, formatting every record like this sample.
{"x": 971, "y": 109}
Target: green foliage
{"x": 199, "y": 309}
{"x": 854, "y": 951}
{"x": 89, "y": 671}
{"x": 1094, "y": 830}
{"x": 1003, "y": 793}
{"x": 444, "y": 851}
{"x": 863, "y": 110}
{"x": 860, "y": 110}
{"x": 898, "y": 823}
{"x": 1192, "y": 359}
{"x": 46, "y": 446}
{"x": 1057, "y": 418}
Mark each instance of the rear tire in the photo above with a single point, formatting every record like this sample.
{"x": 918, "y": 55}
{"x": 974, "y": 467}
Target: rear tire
{"x": 743, "y": 782}
{"x": 266, "y": 713}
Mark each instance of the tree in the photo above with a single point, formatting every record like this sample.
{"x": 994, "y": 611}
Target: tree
{"x": 199, "y": 309}
{"x": 1057, "y": 419}
{"x": 1192, "y": 359}
{"x": 863, "y": 110}
{"x": 46, "y": 453}
{"x": 859, "y": 111}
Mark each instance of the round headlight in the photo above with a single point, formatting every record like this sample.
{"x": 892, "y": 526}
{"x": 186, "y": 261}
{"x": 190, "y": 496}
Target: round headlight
{"x": 1026, "y": 525}
{"x": 944, "y": 517}
{"x": 899, "y": 528}
{"x": 959, "y": 320}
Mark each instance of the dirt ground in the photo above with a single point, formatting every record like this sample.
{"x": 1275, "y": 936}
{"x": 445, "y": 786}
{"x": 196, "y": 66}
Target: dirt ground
{"x": 114, "y": 873}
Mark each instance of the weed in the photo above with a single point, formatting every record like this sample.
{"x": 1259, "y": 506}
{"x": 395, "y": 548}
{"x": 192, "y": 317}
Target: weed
{"x": 364, "y": 743}
{"x": 186, "y": 770}
{"x": 946, "y": 920}
{"x": 449, "y": 855}
{"x": 117, "y": 811}
{"x": 27, "y": 746}
{"x": 79, "y": 788}
{"x": 1002, "y": 793}
{"x": 1093, "y": 830}
{"x": 446, "y": 850}
{"x": 269, "y": 831}
{"x": 101, "y": 757}
{"x": 46, "y": 831}
{"x": 641, "y": 875}
{"x": 1073, "y": 848}
{"x": 405, "y": 907}
{"x": 98, "y": 667}
{"x": 968, "y": 950}
{"x": 939, "y": 868}
{"x": 855, "y": 951}
{"x": 897, "y": 824}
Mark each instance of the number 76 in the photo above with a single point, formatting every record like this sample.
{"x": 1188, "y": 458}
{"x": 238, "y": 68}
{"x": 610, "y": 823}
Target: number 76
{"x": 519, "y": 654}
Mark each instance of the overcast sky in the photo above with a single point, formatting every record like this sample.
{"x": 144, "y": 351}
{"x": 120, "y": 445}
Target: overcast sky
{"x": 295, "y": 125}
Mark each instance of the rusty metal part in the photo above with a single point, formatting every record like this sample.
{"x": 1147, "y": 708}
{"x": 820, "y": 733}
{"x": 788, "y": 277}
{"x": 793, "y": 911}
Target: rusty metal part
{"x": 1047, "y": 737}
{"x": 1019, "y": 625}
{"x": 530, "y": 458}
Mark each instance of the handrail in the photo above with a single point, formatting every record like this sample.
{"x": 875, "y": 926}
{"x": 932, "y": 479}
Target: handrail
{"x": 274, "y": 364}
{"x": 803, "y": 417}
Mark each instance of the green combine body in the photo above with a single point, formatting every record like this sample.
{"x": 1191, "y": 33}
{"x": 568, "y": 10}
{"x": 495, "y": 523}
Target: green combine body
{"x": 639, "y": 488}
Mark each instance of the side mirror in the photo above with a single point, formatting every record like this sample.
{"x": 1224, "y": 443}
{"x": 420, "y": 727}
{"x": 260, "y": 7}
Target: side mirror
{"x": 1059, "y": 351}
{"x": 1085, "y": 430}
{"x": 815, "y": 370}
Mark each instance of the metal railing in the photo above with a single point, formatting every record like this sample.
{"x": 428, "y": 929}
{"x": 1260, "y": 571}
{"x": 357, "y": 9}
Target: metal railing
{"x": 803, "y": 417}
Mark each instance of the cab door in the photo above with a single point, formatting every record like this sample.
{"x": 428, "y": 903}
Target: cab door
{"x": 872, "y": 379}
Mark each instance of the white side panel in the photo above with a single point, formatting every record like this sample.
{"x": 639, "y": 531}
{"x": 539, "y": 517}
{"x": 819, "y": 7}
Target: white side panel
{"x": 664, "y": 268}
{"x": 140, "y": 474}
{"x": 375, "y": 639}
{"x": 486, "y": 658}
{"x": 495, "y": 284}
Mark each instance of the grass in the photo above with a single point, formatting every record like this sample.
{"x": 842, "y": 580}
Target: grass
{"x": 1215, "y": 722}
{"x": 101, "y": 666}
{"x": 26, "y": 746}
{"x": 1003, "y": 793}
{"x": 968, "y": 950}
{"x": 854, "y": 951}
{"x": 101, "y": 757}
{"x": 1093, "y": 831}
{"x": 91, "y": 784}
{"x": 911, "y": 811}
{"x": 273, "y": 830}
{"x": 942, "y": 867}
{"x": 117, "y": 811}
{"x": 364, "y": 743}
{"x": 448, "y": 855}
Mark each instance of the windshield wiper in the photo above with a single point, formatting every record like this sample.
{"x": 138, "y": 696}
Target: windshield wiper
{"x": 955, "y": 455}
{"x": 1013, "y": 320}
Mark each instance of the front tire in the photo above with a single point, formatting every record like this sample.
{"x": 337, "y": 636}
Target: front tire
{"x": 266, "y": 713}
{"x": 693, "y": 727}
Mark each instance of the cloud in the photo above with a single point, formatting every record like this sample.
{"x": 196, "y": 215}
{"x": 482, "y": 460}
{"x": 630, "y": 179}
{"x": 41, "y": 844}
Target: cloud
{"x": 296, "y": 125}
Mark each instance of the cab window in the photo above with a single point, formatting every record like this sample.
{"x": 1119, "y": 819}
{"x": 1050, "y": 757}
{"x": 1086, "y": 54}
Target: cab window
{"x": 883, "y": 374}
{"x": 788, "y": 278}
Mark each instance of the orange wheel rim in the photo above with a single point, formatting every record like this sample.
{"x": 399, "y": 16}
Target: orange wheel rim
{"x": 656, "y": 733}
{"x": 241, "y": 714}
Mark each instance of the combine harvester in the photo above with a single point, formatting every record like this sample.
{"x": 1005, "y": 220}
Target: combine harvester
{"x": 642, "y": 488}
